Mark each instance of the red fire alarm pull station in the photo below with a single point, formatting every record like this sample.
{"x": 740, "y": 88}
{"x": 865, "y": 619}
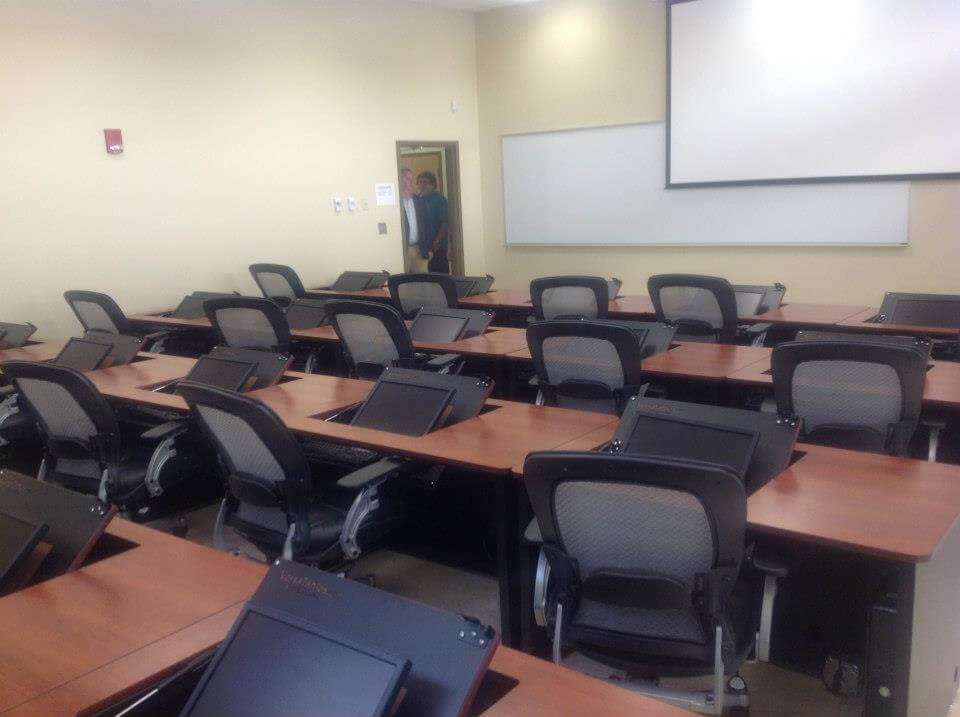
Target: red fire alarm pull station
{"x": 114, "y": 141}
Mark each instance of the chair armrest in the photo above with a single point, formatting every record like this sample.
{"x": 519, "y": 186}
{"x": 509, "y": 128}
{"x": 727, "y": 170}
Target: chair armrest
{"x": 156, "y": 335}
{"x": 532, "y": 533}
{"x": 166, "y": 430}
{"x": 769, "y": 567}
{"x": 755, "y": 329}
{"x": 372, "y": 474}
{"x": 6, "y": 391}
{"x": 442, "y": 360}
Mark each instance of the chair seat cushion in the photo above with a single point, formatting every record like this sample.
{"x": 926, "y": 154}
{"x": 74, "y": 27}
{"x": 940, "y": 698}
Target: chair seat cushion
{"x": 267, "y": 526}
{"x": 641, "y": 622}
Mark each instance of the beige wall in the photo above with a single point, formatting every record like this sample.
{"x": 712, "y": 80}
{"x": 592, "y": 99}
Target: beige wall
{"x": 241, "y": 118}
{"x": 581, "y": 63}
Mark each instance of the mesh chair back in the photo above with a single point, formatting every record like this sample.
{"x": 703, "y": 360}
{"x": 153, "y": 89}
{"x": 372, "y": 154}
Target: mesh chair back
{"x": 247, "y": 322}
{"x": 850, "y": 394}
{"x": 277, "y": 281}
{"x": 373, "y": 336}
{"x": 646, "y": 526}
{"x": 412, "y": 292}
{"x": 266, "y": 465}
{"x": 585, "y": 365}
{"x": 71, "y": 411}
{"x": 704, "y": 307}
{"x": 569, "y": 297}
{"x": 97, "y": 312}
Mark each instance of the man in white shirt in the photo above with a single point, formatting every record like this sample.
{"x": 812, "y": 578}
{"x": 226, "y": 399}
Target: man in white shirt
{"x": 417, "y": 246}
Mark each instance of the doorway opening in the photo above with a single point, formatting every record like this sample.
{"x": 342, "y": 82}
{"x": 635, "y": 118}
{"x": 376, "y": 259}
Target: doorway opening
{"x": 442, "y": 159}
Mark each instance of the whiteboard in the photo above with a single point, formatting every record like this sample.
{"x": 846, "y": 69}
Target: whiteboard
{"x": 771, "y": 90}
{"x": 605, "y": 186}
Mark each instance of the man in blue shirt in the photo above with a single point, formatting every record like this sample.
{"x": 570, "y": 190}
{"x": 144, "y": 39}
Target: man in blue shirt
{"x": 436, "y": 221}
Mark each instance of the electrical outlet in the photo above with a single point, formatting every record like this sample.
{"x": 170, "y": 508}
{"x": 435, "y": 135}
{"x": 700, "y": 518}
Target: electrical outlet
{"x": 337, "y": 205}
{"x": 351, "y": 204}
{"x": 382, "y": 227}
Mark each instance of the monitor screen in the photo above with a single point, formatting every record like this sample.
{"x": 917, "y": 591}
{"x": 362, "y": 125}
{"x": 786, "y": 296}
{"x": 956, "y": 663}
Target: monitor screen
{"x": 351, "y": 282}
{"x": 678, "y": 438}
{"x": 17, "y": 540}
{"x": 403, "y": 408}
{"x": 749, "y": 302}
{"x": 437, "y": 328}
{"x": 14, "y": 335}
{"x": 190, "y": 308}
{"x": 305, "y": 316}
{"x": 275, "y": 664}
{"x": 925, "y": 312}
{"x": 221, "y": 373}
{"x": 82, "y": 355}
{"x": 465, "y": 286}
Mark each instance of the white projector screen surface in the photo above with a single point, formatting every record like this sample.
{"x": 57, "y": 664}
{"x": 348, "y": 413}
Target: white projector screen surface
{"x": 775, "y": 90}
{"x": 604, "y": 186}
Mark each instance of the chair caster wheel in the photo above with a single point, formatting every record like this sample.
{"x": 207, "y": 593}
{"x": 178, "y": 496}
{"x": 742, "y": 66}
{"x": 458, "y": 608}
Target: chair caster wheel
{"x": 180, "y": 529}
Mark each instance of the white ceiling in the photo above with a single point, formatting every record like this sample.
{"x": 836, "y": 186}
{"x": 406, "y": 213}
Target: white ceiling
{"x": 472, "y": 5}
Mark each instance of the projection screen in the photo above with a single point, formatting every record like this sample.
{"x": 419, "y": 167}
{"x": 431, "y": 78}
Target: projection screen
{"x": 812, "y": 90}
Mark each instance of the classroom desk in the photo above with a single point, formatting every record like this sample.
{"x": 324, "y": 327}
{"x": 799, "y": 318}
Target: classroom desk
{"x": 491, "y": 443}
{"x": 519, "y": 300}
{"x": 380, "y": 294}
{"x": 941, "y": 389}
{"x": 861, "y": 322}
{"x": 799, "y": 314}
{"x": 84, "y": 640}
{"x": 494, "y": 343}
{"x": 897, "y": 512}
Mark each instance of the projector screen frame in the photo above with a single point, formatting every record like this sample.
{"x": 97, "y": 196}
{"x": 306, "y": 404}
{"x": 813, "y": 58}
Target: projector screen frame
{"x": 757, "y": 182}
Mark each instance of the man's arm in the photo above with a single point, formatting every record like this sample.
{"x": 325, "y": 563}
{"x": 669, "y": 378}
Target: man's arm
{"x": 443, "y": 218}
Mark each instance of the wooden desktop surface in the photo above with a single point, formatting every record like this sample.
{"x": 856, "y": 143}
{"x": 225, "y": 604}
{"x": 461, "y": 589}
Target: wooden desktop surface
{"x": 793, "y": 313}
{"x": 861, "y": 321}
{"x": 519, "y": 300}
{"x": 712, "y": 362}
{"x": 84, "y": 640}
{"x": 495, "y": 343}
{"x": 941, "y": 388}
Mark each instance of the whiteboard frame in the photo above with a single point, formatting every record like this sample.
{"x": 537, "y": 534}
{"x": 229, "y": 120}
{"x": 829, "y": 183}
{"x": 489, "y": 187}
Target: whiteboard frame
{"x": 667, "y": 187}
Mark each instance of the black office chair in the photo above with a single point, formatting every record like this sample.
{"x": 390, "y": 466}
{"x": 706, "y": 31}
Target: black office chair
{"x": 100, "y": 313}
{"x": 278, "y": 282}
{"x": 863, "y": 396}
{"x": 641, "y": 568}
{"x": 585, "y": 365}
{"x": 249, "y": 322}
{"x": 374, "y": 336}
{"x": 84, "y": 448}
{"x": 704, "y": 307}
{"x": 569, "y": 297}
{"x": 271, "y": 498}
{"x": 412, "y": 292}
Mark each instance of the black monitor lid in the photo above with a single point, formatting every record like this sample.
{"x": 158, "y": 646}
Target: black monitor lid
{"x": 941, "y": 310}
{"x": 18, "y": 538}
{"x": 923, "y": 344}
{"x": 228, "y": 374}
{"x": 438, "y": 326}
{"x": 449, "y": 654}
{"x": 470, "y": 392}
{"x": 15, "y": 335}
{"x": 75, "y": 521}
{"x": 270, "y": 366}
{"x": 776, "y": 437}
{"x": 83, "y": 354}
{"x": 275, "y": 663}
{"x": 307, "y": 313}
{"x": 398, "y": 406}
{"x": 123, "y": 348}
{"x": 190, "y": 307}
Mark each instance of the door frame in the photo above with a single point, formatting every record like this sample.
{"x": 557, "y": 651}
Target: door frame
{"x": 451, "y": 160}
